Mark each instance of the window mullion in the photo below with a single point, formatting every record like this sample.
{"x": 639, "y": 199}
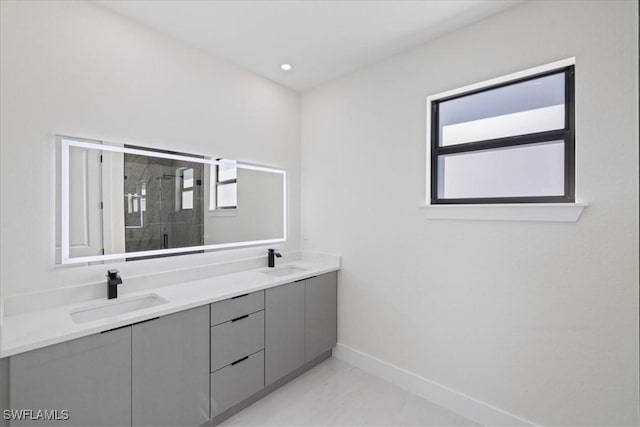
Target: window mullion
{"x": 510, "y": 141}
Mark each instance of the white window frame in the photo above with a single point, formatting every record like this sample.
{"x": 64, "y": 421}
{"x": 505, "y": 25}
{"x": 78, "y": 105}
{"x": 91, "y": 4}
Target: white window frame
{"x": 182, "y": 189}
{"x": 221, "y": 183}
{"x": 215, "y": 183}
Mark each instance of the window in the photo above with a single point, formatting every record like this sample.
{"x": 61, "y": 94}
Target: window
{"x": 224, "y": 192}
{"x": 187, "y": 188}
{"x": 510, "y": 140}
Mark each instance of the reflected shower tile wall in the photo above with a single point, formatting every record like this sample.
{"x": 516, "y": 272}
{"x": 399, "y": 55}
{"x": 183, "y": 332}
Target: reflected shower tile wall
{"x": 163, "y": 214}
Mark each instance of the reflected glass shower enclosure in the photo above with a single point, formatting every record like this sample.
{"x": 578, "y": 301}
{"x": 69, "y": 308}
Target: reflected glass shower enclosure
{"x": 163, "y": 202}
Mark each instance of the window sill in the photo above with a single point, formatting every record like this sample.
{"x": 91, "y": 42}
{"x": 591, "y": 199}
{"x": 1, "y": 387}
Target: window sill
{"x": 553, "y": 212}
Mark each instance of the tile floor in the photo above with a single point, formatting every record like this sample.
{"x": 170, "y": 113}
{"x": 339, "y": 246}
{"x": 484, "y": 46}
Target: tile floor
{"x": 335, "y": 393}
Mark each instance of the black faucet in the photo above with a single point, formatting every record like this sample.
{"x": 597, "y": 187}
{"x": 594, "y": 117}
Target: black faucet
{"x": 272, "y": 257}
{"x": 113, "y": 280}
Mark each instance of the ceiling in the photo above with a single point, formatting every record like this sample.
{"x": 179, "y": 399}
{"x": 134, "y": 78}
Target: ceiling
{"x": 321, "y": 39}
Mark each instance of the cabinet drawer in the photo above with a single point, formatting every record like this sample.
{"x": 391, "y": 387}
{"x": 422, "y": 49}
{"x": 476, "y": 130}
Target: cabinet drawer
{"x": 236, "y": 339}
{"x": 223, "y": 311}
{"x": 234, "y": 383}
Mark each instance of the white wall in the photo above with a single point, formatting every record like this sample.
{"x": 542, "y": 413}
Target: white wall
{"x": 74, "y": 68}
{"x": 259, "y": 213}
{"x": 538, "y": 319}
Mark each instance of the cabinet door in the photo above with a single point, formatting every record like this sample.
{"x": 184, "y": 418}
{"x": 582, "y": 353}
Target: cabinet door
{"x": 170, "y": 381}
{"x": 90, "y": 377}
{"x": 284, "y": 330}
{"x": 321, "y": 325}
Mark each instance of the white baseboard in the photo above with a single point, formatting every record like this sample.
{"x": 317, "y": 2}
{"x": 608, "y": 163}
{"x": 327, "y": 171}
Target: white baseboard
{"x": 439, "y": 394}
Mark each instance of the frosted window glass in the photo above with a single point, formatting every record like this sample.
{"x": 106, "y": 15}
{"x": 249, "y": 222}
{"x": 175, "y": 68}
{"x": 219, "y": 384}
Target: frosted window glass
{"x": 525, "y": 170}
{"x": 227, "y": 195}
{"x": 227, "y": 170}
{"x": 187, "y": 181}
{"x": 187, "y": 199}
{"x": 518, "y": 109}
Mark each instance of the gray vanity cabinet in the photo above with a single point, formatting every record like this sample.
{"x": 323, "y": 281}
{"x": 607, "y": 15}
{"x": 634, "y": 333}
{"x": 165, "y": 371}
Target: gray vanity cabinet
{"x": 90, "y": 377}
{"x": 284, "y": 330}
{"x": 4, "y": 389}
{"x": 184, "y": 369}
{"x": 321, "y": 326}
{"x": 170, "y": 372}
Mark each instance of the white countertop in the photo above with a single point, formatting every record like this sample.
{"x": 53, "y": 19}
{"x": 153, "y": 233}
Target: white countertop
{"x": 28, "y": 331}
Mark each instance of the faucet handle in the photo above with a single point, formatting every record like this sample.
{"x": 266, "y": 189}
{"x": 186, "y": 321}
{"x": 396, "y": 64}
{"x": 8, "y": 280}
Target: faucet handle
{"x": 274, "y": 252}
{"x": 112, "y": 274}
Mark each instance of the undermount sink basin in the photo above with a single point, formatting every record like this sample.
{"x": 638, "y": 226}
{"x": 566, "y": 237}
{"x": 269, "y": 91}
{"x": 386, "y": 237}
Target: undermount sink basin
{"x": 285, "y": 270}
{"x": 114, "y": 308}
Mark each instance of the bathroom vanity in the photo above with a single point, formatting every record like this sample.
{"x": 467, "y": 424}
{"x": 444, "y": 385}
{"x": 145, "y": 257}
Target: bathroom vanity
{"x": 179, "y": 347}
{"x": 214, "y": 347}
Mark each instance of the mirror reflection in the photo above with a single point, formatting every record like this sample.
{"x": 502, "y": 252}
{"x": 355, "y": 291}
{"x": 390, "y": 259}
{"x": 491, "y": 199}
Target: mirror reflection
{"x": 163, "y": 203}
{"x": 129, "y": 202}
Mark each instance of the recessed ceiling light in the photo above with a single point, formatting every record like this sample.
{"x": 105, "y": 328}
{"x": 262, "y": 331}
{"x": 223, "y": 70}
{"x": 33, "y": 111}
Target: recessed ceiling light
{"x": 286, "y": 67}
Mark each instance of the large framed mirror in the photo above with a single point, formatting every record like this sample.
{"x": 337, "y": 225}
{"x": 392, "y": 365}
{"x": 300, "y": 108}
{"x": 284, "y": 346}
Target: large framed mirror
{"x": 125, "y": 202}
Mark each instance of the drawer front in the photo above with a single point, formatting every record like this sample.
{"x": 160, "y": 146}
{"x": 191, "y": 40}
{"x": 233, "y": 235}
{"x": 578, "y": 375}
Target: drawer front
{"x": 223, "y": 311}
{"x": 236, "y": 339}
{"x": 234, "y": 383}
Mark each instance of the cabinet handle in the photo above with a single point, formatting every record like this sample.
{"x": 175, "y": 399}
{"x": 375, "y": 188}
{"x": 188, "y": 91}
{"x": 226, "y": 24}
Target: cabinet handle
{"x": 144, "y": 321}
{"x": 240, "y": 318}
{"x": 114, "y": 329}
{"x": 239, "y": 296}
{"x": 130, "y": 324}
{"x": 240, "y": 360}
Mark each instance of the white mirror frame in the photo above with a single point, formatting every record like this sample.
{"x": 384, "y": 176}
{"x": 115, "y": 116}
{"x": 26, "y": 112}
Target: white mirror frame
{"x": 67, "y": 142}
